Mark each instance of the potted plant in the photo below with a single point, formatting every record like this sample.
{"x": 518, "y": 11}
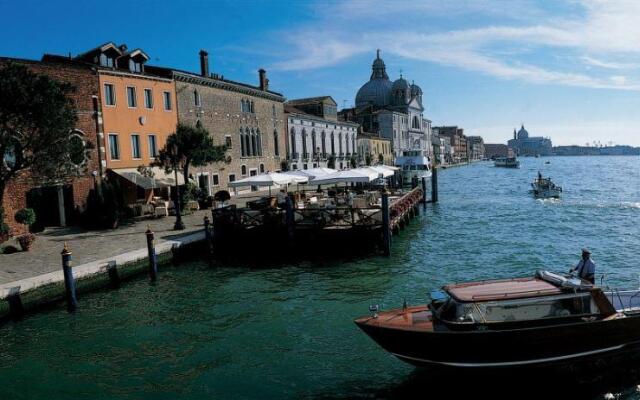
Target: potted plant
{"x": 27, "y": 217}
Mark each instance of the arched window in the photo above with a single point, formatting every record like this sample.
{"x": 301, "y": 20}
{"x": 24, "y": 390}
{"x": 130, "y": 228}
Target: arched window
{"x": 196, "y": 98}
{"x": 276, "y": 147}
{"x": 304, "y": 143}
{"x": 254, "y": 144}
{"x": 314, "y": 149}
{"x": 247, "y": 141}
{"x": 77, "y": 148}
{"x": 261, "y": 168}
{"x": 340, "y": 143}
{"x": 353, "y": 144}
{"x": 243, "y": 145}
{"x": 292, "y": 138}
{"x": 273, "y": 110}
{"x": 243, "y": 170}
{"x": 416, "y": 122}
{"x": 259, "y": 142}
{"x": 324, "y": 144}
{"x": 252, "y": 109}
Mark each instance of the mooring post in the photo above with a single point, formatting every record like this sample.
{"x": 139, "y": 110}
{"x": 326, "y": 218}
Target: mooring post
{"x": 16, "y": 310}
{"x": 69, "y": 282}
{"x": 208, "y": 239}
{"x": 386, "y": 237}
{"x": 289, "y": 217}
{"x": 434, "y": 185}
{"x": 153, "y": 266}
{"x": 424, "y": 192}
{"x": 112, "y": 271}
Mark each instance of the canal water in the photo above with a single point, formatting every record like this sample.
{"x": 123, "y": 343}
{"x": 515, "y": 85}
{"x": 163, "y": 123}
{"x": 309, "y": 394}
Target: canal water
{"x": 286, "y": 331}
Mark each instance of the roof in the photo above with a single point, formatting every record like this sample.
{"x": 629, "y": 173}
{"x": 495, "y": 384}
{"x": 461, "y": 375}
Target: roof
{"x": 308, "y": 100}
{"x": 501, "y": 289}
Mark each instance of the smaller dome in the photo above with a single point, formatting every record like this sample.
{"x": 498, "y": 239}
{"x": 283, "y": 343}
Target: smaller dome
{"x": 400, "y": 84}
{"x": 415, "y": 90}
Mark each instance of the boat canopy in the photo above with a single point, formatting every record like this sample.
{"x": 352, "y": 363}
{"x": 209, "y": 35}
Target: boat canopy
{"x": 501, "y": 289}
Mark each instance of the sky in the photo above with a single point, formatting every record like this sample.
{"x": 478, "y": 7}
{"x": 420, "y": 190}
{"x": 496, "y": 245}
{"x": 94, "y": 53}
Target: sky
{"x": 566, "y": 69}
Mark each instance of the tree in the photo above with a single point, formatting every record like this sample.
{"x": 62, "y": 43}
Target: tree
{"x": 194, "y": 147}
{"x": 36, "y": 120}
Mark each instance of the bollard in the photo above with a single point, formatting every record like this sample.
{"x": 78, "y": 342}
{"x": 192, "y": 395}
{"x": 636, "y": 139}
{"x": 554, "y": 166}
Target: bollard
{"x": 16, "y": 310}
{"x": 209, "y": 240}
{"x": 153, "y": 266}
{"x": 112, "y": 271}
{"x": 289, "y": 217}
{"x": 69, "y": 282}
{"x": 386, "y": 237}
{"x": 434, "y": 185}
{"x": 424, "y": 191}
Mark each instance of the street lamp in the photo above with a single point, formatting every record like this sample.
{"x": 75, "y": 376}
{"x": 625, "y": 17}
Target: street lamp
{"x": 179, "y": 225}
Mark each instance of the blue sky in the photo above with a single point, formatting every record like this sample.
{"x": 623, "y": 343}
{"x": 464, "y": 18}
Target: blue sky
{"x": 566, "y": 69}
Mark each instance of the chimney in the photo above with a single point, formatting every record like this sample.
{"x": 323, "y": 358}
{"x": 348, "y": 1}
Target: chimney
{"x": 204, "y": 63}
{"x": 123, "y": 48}
{"x": 264, "y": 82}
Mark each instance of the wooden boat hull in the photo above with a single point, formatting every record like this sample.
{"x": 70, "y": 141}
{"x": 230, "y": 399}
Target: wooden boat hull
{"x": 518, "y": 347}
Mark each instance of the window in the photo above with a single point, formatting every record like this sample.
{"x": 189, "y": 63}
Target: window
{"x": 304, "y": 166}
{"x": 196, "y": 98}
{"x": 305, "y": 154}
{"x": 76, "y": 149}
{"x": 106, "y": 61}
{"x": 135, "y": 66}
{"x": 254, "y": 144}
{"x": 273, "y": 110}
{"x": 314, "y": 149}
{"x": 215, "y": 179}
{"x": 148, "y": 98}
{"x": 203, "y": 182}
{"x": 324, "y": 144}
{"x": 333, "y": 143}
{"x": 114, "y": 148}
{"x": 227, "y": 141}
{"x": 153, "y": 146}
{"x": 135, "y": 145}
{"x": 252, "y": 110}
{"x": 293, "y": 143}
{"x": 259, "y": 141}
{"x": 109, "y": 94}
{"x": 261, "y": 168}
{"x": 276, "y": 147}
{"x": 232, "y": 177}
{"x": 131, "y": 96}
{"x": 243, "y": 170}
{"x": 167, "y": 101}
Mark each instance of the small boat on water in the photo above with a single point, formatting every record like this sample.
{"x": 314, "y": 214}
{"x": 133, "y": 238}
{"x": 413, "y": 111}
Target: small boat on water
{"x": 507, "y": 162}
{"x": 546, "y": 320}
{"x": 544, "y": 188}
{"x": 414, "y": 163}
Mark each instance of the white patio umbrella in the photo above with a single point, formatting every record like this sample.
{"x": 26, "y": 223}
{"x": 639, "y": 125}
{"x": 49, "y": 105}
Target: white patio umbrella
{"x": 269, "y": 179}
{"x": 346, "y": 176}
{"x": 310, "y": 173}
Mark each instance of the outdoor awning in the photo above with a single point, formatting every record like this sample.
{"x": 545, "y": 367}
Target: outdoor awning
{"x": 158, "y": 179}
{"x": 310, "y": 173}
{"x": 269, "y": 179}
{"x": 362, "y": 175}
{"x": 378, "y": 169}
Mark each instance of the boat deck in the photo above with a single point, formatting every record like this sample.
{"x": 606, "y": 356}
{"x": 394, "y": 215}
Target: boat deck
{"x": 417, "y": 318}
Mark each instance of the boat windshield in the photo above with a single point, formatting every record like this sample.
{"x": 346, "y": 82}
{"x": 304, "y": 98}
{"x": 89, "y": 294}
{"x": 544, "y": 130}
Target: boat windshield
{"x": 581, "y": 304}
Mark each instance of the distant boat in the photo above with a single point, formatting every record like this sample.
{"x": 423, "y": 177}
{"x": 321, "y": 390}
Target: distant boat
{"x": 507, "y": 162}
{"x": 544, "y": 188}
{"x": 547, "y": 162}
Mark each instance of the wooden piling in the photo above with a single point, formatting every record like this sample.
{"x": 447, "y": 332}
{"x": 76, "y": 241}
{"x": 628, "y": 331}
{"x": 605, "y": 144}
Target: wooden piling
{"x": 386, "y": 237}
{"x": 289, "y": 217}
{"x": 16, "y": 309}
{"x": 424, "y": 192}
{"x": 153, "y": 265}
{"x": 434, "y": 185}
{"x": 112, "y": 270}
{"x": 208, "y": 240}
{"x": 69, "y": 281}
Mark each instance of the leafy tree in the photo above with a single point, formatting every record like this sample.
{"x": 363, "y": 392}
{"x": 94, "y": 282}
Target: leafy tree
{"x": 194, "y": 147}
{"x": 36, "y": 120}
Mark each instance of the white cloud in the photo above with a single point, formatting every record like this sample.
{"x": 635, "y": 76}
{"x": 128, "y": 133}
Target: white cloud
{"x": 604, "y": 28}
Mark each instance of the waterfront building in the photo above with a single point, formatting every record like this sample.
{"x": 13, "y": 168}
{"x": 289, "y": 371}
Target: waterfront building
{"x": 618, "y": 150}
{"x": 458, "y": 142}
{"x": 476, "y": 147}
{"x": 60, "y": 203}
{"x": 523, "y": 145}
{"x": 497, "y": 150}
{"x": 315, "y": 137}
{"x": 248, "y": 119}
{"x": 394, "y": 110}
{"x": 374, "y": 149}
{"x": 439, "y": 149}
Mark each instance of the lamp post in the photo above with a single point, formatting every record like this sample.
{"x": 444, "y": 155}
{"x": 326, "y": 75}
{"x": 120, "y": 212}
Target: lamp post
{"x": 179, "y": 225}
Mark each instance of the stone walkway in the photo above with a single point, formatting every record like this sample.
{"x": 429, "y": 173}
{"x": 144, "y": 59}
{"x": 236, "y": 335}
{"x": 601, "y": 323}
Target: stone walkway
{"x": 88, "y": 246}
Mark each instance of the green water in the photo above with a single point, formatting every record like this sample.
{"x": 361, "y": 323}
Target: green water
{"x": 287, "y": 332}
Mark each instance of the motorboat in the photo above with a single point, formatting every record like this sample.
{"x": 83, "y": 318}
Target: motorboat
{"x": 536, "y": 321}
{"x": 506, "y": 162}
{"x": 544, "y": 188}
{"x": 414, "y": 164}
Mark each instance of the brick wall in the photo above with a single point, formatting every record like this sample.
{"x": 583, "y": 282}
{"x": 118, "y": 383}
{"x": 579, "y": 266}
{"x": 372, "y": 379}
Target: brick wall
{"x": 85, "y": 82}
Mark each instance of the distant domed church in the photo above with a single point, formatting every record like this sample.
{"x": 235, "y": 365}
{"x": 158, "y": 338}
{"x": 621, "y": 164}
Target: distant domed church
{"x": 523, "y": 145}
{"x": 393, "y": 110}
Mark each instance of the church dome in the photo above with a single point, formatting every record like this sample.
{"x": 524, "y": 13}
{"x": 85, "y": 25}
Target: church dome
{"x": 377, "y": 91}
{"x": 401, "y": 84}
{"x": 522, "y": 133}
{"x": 415, "y": 90}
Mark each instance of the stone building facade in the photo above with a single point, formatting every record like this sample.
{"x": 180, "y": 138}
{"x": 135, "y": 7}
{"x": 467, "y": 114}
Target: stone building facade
{"x": 373, "y": 150}
{"x": 248, "y": 119}
{"x": 524, "y": 145}
{"x": 458, "y": 142}
{"x": 60, "y": 203}
{"x": 315, "y": 136}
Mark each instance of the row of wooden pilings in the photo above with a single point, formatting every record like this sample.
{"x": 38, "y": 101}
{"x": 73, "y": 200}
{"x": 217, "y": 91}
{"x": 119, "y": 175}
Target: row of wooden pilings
{"x": 392, "y": 226}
